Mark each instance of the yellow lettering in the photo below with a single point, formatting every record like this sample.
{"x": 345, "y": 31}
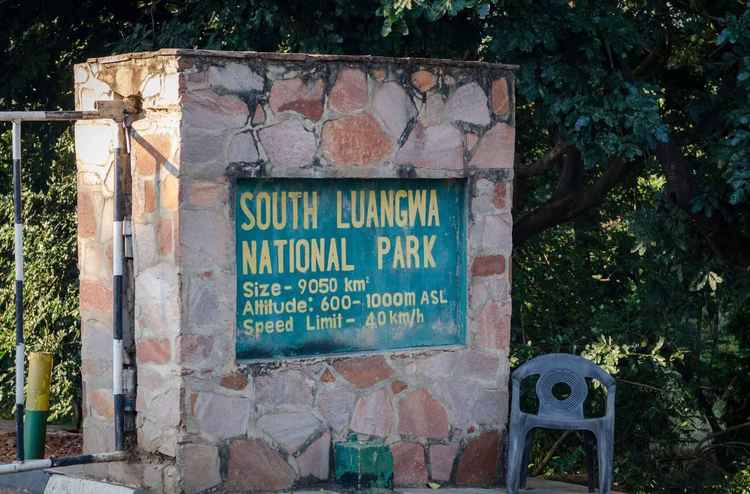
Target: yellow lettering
{"x": 383, "y": 248}
{"x": 294, "y": 197}
{"x": 310, "y": 211}
{"x": 398, "y": 255}
{"x": 433, "y": 218}
{"x": 412, "y": 251}
{"x": 340, "y": 211}
{"x": 417, "y": 205}
{"x": 345, "y": 266}
{"x": 429, "y": 243}
{"x": 333, "y": 256}
{"x": 302, "y": 255}
{"x": 248, "y": 257}
{"x": 265, "y": 259}
{"x": 317, "y": 253}
{"x": 386, "y": 207}
{"x": 280, "y": 244}
{"x": 250, "y": 223}
{"x": 358, "y": 210}
{"x": 263, "y": 220}
{"x": 372, "y": 210}
{"x": 402, "y": 217}
{"x": 278, "y": 210}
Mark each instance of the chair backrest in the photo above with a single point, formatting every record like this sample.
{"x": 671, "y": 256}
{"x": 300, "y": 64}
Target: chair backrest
{"x": 561, "y": 368}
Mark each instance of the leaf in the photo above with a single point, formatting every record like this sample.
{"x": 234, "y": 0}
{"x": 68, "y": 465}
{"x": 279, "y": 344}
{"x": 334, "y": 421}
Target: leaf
{"x": 582, "y": 122}
{"x": 434, "y": 485}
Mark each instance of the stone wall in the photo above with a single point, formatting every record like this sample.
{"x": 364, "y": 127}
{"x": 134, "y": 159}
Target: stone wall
{"x": 203, "y": 419}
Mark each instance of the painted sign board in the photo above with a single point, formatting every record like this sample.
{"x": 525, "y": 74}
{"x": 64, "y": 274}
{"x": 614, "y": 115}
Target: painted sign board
{"x": 336, "y": 266}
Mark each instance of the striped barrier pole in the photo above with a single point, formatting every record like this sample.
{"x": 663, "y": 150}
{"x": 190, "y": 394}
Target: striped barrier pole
{"x": 18, "y": 249}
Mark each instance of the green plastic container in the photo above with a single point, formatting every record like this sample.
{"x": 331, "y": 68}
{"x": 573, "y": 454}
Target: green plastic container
{"x": 363, "y": 464}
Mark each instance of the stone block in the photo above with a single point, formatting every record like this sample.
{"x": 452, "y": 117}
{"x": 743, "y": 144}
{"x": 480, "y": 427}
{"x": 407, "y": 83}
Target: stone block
{"x": 438, "y": 147}
{"x": 468, "y": 103}
{"x": 94, "y": 143}
{"x": 277, "y": 389}
{"x": 355, "y": 140}
{"x": 88, "y": 211}
{"x": 208, "y": 110}
{"x": 492, "y": 327}
{"x": 336, "y": 404}
{"x": 101, "y": 403}
{"x": 153, "y": 351}
{"x": 423, "y": 80}
{"x": 365, "y": 371}
{"x": 422, "y": 415}
{"x": 496, "y": 148}
{"x": 288, "y": 144}
{"x": 316, "y": 459}
{"x": 290, "y": 430}
{"x": 350, "y": 91}
{"x": 254, "y": 466}
{"x": 499, "y": 97}
{"x": 150, "y": 151}
{"x": 409, "y": 465}
{"x": 236, "y": 381}
{"x": 96, "y": 296}
{"x": 211, "y": 412}
{"x": 394, "y": 108}
{"x": 242, "y": 148}
{"x": 199, "y": 464}
{"x": 374, "y": 415}
{"x": 303, "y": 97}
{"x": 441, "y": 461}
{"x": 479, "y": 465}
{"x": 234, "y": 78}
{"x": 488, "y": 265}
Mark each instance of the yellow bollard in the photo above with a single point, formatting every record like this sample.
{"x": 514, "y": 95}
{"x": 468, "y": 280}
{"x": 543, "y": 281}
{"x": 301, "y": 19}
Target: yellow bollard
{"x": 37, "y": 405}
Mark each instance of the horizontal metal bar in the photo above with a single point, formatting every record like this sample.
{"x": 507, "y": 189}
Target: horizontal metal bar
{"x": 62, "y": 461}
{"x": 48, "y": 116}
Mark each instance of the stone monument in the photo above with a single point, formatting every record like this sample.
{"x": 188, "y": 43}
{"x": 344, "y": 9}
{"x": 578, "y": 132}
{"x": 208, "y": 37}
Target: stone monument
{"x": 319, "y": 246}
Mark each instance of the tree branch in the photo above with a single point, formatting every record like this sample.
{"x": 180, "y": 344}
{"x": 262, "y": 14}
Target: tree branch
{"x": 724, "y": 239}
{"x": 547, "y": 162}
{"x": 567, "y": 207}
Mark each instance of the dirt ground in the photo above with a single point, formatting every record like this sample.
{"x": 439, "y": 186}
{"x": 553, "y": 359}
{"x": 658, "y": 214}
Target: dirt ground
{"x": 59, "y": 443}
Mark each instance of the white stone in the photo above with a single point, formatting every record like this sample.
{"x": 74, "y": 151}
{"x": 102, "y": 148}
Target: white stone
{"x": 242, "y": 148}
{"x": 151, "y": 86}
{"x": 394, "y": 108}
{"x": 290, "y": 430}
{"x": 222, "y": 416}
{"x": 234, "y": 78}
{"x": 468, "y": 104}
{"x": 80, "y": 74}
{"x": 288, "y": 144}
{"x": 91, "y": 92}
{"x": 93, "y": 143}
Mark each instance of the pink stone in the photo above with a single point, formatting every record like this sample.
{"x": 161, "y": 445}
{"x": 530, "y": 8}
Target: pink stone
{"x": 423, "y": 80}
{"x": 304, "y": 97}
{"x": 288, "y": 144}
{"x": 441, "y": 461}
{"x": 479, "y": 464}
{"x": 409, "y": 465}
{"x": 421, "y": 415}
{"x": 496, "y": 148}
{"x": 194, "y": 348}
{"x": 468, "y": 104}
{"x": 200, "y": 466}
{"x": 492, "y": 327}
{"x": 350, "y": 91}
{"x": 355, "y": 140}
{"x": 210, "y": 411}
{"x": 364, "y": 372}
{"x": 439, "y": 147}
{"x": 499, "y": 97}
{"x": 207, "y": 110}
{"x": 488, "y": 265}
{"x": 432, "y": 112}
{"x": 315, "y": 460}
{"x": 373, "y": 414}
{"x": 394, "y": 108}
{"x": 336, "y": 403}
{"x": 153, "y": 351}
{"x": 254, "y": 466}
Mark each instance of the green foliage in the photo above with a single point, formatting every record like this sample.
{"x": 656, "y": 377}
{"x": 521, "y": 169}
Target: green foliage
{"x": 51, "y": 279}
{"x": 634, "y": 281}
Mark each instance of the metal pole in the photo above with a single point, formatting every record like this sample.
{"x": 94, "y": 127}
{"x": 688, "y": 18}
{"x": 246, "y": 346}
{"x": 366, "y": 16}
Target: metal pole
{"x": 62, "y": 462}
{"x": 117, "y": 267}
{"x": 18, "y": 249}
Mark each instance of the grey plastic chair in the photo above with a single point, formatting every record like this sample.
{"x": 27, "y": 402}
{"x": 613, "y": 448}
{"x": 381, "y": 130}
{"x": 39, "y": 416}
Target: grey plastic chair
{"x": 565, "y": 414}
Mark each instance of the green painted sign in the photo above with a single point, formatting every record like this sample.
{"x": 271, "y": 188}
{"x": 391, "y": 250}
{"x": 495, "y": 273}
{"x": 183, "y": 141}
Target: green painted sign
{"x": 334, "y": 266}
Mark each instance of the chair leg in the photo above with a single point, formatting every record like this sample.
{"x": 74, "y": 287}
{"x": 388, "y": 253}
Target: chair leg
{"x": 515, "y": 458}
{"x": 526, "y": 458}
{"x": 589, "y": 447}
{"x": 604, "y": 448}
